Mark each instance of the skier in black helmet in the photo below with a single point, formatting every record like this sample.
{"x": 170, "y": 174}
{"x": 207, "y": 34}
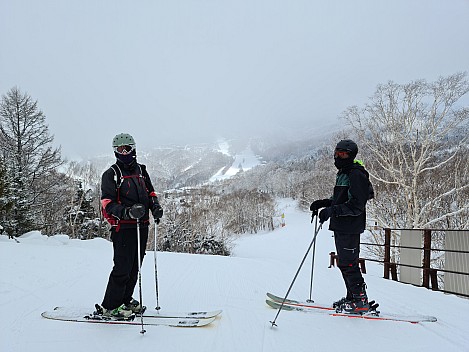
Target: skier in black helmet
{"x": 127, "y": 194}
{"x": 346, "y": 210}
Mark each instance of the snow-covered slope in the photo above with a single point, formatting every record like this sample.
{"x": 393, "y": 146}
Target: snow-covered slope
{"x": 243, "y": 161}
{"x": 40, "y": 273}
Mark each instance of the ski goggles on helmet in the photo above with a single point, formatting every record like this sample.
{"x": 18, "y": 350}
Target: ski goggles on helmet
{"x": 341, "y": 153}
{"x": 124, "y": 149}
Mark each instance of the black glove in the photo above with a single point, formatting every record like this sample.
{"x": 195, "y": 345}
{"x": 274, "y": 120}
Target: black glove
{"x": 156, "y": 210}
{"x": 315, "y": 213}
{"x": 136, "y": 211}
{"x": 325, "y": 214}
{"x": 320, "y": 203}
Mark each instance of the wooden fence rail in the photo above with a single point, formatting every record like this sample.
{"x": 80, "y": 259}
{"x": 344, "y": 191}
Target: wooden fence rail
{"x": 454, "y": 278}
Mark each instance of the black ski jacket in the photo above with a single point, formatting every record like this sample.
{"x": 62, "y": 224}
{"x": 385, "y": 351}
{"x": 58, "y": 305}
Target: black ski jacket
{"x": 133, "y": 190}
{"x": 351, "y": 192}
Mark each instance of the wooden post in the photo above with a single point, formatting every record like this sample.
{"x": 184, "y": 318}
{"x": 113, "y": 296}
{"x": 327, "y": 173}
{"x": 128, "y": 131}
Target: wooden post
{"x": 387, "y": 252}
{"x": 361, "y": 262}
{"x": 332, "y": 259}
{"x": 393, "y": 267}
{"x": 427, "y": 245}
{"x": 434, "y": 279}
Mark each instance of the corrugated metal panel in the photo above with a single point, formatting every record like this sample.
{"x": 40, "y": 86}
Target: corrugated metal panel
{"x": 411, "y": 238}
{"x": 457, "y": 240}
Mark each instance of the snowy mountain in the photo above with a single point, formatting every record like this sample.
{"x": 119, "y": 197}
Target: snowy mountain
{"x": 40, "y": 273}
{"x": 184, "y": 166}
{"x": 177, "y": 166}
{"x": 193, "y": 165}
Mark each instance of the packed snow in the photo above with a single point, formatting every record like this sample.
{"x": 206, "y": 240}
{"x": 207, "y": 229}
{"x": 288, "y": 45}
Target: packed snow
{"x": 40, "y": 273}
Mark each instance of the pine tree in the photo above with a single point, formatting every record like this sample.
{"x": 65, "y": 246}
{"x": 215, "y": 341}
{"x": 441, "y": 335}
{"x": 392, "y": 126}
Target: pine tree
{"x": 5, "y": 201}
{"x": 20, "y": 219}
{"x": 25, "y": 144}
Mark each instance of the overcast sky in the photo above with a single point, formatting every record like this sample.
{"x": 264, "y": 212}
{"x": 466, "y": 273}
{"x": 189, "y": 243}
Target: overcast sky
{"x": 191, "y": 71}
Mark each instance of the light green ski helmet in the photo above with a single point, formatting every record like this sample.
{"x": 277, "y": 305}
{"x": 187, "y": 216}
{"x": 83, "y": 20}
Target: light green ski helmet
{"x": 123, "y": 139}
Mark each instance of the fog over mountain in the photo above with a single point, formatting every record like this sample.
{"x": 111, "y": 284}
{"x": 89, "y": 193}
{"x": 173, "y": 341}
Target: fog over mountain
{"x": 190, "y": 72}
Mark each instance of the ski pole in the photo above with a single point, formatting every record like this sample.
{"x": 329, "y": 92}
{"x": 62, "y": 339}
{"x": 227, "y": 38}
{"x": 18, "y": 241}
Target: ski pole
{"x": 296, "y": 275}
{"x": 312, "y": 262}
{"x": 156, "y": 267}
{"x": 140, "y": 272}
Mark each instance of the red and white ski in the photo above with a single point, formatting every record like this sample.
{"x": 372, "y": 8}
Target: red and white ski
{"x": 276, "y": 302}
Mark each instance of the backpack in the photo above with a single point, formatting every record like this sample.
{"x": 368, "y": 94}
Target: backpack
{"x": 358, "y": 165}
{"x": 118, "y": 178}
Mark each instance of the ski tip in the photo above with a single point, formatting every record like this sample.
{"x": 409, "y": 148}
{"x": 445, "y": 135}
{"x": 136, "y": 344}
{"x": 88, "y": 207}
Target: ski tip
{"x": 217, "y": 312}
{"x": 193, "y": 322}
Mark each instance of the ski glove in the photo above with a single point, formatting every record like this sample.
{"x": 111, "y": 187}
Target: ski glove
{"x": 315, "y": 213}
{"x": 136, "y": 211}
{"x": 157, "y": 210}
{"x": 325, "y": 214}
{"x": 320, "y": 203}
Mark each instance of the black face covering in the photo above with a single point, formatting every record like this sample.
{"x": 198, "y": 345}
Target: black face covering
{"x": 129, "y": 160}
{"x": 341, "y": 163}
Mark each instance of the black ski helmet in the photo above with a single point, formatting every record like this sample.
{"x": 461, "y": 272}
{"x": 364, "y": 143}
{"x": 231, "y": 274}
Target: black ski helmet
{"x": 347, "y": 145}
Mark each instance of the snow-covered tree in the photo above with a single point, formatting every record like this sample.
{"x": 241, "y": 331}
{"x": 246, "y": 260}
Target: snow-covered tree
{"x": 5, "y": 200}
{"x": 83, "y": 201}
{"x": 26, "y": 143}
{"x": 414, "y": 136}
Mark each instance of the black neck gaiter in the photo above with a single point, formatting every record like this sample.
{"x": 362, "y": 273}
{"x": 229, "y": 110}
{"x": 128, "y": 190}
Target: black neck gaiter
{"x": 343, "y": 163}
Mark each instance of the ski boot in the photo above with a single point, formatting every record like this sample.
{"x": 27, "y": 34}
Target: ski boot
{"x": 135, "y": 307}
{"x": 341, "y": 301}
{"x": 373, "y": 310}
{"x": 119, "y": 313}
{"x": 357, "y": 305}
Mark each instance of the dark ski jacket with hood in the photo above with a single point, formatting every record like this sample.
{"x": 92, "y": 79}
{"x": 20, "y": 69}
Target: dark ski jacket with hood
{"x": 351, "y": 192}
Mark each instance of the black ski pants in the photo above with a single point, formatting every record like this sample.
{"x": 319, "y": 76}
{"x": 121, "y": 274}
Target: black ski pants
{"x": 348, "y": 250}
{"x": 124, "y": 274}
